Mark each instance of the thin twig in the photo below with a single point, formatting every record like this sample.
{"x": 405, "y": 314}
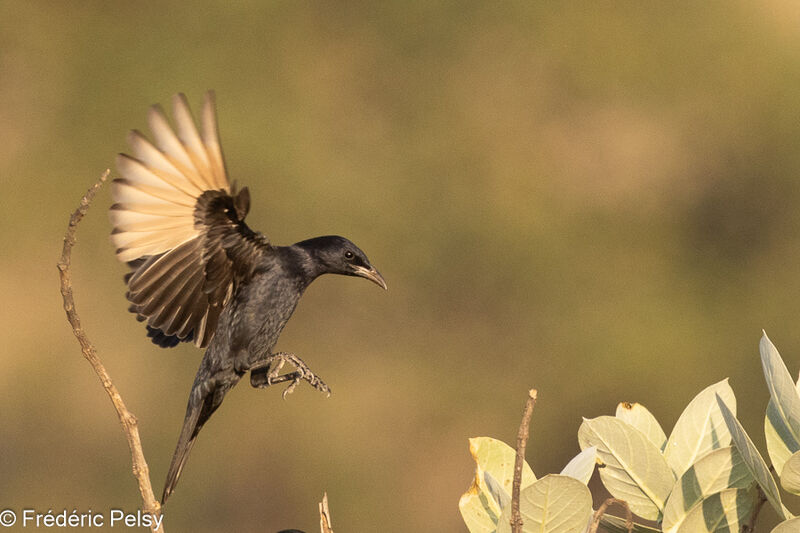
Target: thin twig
{"x": 325, "y": 515}
{"x": 522, "y": 440}
{"x": 126, "y": 418}
{"x": 598, "y": 515}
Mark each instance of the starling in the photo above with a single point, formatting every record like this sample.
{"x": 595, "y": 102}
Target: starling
{"x": 199, "y": 274}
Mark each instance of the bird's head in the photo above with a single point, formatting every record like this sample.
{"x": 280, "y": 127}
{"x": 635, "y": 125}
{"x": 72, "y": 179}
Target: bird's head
{"x": 336, "y": 255}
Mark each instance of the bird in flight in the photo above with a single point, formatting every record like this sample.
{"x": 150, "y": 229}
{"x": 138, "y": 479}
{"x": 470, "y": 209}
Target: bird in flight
{"x": 199, "y": 274}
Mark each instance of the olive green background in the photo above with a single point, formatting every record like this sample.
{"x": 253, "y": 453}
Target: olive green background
{"x": 596, "y": 199}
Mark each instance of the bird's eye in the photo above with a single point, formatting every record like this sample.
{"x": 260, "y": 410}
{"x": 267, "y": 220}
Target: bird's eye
{"x": 348, "y": 254}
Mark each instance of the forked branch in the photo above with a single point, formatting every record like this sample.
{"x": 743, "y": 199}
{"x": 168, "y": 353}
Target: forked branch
{"x": 126, "y": 418}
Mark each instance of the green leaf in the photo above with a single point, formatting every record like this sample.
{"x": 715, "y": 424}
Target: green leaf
{"x": 635, "y": 470}
{"x": 790, "y": 526}
{"x": 716, "y": 471}
{"x": 700, "y": 428}
{"x": 780, "y": 442}
{"x": 476, "y": 511}
{"x": 723, "y": 511}
{"x": 783, "y": 412}
{"x": 639, "y": 417}
{"x": 479, "y": 508}
{"x": 790, "y": 475}
{"x": 615, "y": 524}
{"x": 497, "y": 458}
{"x": 554, "y": 504}
{"x": 753, "y": 460}
{"x": 581, "y": 466}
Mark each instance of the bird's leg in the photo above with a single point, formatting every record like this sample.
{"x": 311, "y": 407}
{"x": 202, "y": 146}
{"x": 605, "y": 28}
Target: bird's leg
{"x": 265, "y": 373}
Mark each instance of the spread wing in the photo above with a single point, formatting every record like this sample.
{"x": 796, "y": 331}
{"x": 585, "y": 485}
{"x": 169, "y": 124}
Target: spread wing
{"x": 179, "y": 225}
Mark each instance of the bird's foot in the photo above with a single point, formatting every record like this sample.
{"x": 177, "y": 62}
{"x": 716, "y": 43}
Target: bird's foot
{"x": 268, "y": 374}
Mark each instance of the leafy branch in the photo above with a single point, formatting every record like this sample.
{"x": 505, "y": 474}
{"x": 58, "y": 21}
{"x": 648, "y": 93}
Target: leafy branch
{"x": 708, "y": 476}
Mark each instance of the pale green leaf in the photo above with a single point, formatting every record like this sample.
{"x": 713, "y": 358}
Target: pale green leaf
{"x": 789, "y": 526}
{"x": 790, "y": 475}
{"x": 478, "y": 506}
{"x": 581, "y": 466}
{"x": 716, "y": 471}
{"x": 615, "y": 524}
{"x": 497, "y": 458}
{"x": 780, "y": 441}
{"x": 753, "y": 460}
{"x": 639, "y": 417}
{"x": 478, "y": 511}
{"x": 554, "y": 504}
{"x": 723, "y": 511}
{"x": 700, "y": 428}
{"x": 635, "y": 470}
{"x": 783, "y": 393}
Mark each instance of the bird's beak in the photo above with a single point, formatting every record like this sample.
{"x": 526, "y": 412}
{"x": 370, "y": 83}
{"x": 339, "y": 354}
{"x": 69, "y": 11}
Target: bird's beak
{"x": 370, "y": 274}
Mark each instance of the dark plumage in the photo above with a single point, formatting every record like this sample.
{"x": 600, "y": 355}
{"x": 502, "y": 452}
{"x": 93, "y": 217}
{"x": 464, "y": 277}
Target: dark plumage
{"x": 200, "y": 274}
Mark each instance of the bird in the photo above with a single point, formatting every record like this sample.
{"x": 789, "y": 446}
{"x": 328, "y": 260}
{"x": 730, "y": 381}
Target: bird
{"x": 199, "y": 274}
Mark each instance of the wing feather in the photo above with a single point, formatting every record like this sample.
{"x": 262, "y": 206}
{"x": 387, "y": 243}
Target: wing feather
{"x": 172, "y": 147}
{"x": 180, "y": 226}
{"x": 211, "y": 140}
{"x": 190, "y": 138}
{"x": 159, "y": 269}
{"x": 157, "y": 163}
{"x": 136, "y": 244}
{"x": 127, "y": 191}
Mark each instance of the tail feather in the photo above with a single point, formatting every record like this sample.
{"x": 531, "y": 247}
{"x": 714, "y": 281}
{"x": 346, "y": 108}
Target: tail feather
{"x": 208, "y": 391}
{"x": 184, "y": 446}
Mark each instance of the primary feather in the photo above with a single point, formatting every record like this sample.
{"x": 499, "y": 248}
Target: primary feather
{"x": 177, "y": 222}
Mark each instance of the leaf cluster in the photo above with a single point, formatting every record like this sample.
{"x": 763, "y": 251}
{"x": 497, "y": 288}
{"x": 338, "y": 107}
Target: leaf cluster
{"x": 707, "y": 476}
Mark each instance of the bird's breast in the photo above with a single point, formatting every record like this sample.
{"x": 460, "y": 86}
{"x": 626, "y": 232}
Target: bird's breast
{"x": 258, "y": 313}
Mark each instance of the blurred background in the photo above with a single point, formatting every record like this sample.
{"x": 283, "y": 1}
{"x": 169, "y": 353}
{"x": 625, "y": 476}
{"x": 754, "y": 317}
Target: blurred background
{"x": 597, "y": 201}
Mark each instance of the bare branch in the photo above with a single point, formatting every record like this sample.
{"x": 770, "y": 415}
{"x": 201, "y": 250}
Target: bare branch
{"x": 324, "y": 515}
{"x": 598, "y": 515}
{"x": 126, "y": 418}
{"x": 522, "y": 440}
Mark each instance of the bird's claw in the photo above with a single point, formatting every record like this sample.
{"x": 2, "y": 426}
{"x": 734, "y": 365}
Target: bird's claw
{"x": 272, "y": 375}
{"x": 302, "y": 373}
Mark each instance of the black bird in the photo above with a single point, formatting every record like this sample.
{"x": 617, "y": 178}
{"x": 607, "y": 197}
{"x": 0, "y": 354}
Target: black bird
{"x": 199, "y": 274}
